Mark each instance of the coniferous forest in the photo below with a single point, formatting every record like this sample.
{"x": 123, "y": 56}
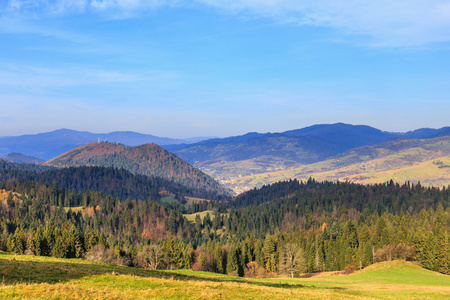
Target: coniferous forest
{"x": 288, "y": 227}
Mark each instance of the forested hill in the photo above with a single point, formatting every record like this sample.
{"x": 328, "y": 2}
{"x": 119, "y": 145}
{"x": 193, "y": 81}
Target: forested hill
{"x": 326, "y": 197}
{"x": 9, "y": 165}
{"x": 148, "y": 160}
{"x": 20, "y": 158}
{"x": 118, "y": 183}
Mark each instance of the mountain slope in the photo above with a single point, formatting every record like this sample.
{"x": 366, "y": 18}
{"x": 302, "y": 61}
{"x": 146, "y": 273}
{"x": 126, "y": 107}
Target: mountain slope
{"x": 51, "y": 144}
{"x": 113, "y": 182}
{"x": 148, "y": 159}
{"x": 255, "y": 153}
{"x": 20, "y": 158}
{"x": 400, "y": 159}
{"x": 301, "y": 146}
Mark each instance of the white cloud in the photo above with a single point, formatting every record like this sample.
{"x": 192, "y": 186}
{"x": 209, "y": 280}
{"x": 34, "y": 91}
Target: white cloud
{"x": 385, "y": 22}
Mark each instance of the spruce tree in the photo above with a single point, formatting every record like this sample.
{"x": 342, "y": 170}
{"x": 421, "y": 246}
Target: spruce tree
{"x": 443, "y": 252}
{"x": 232, "y": 261}
{"x": 218, "y": 259}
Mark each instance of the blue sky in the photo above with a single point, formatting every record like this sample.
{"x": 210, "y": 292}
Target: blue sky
{"x": 214, "y": 68}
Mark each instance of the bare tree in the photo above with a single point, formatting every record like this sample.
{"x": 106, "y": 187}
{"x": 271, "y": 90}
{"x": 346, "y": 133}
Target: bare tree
{"x": 151, "y": 257}
{"x": 155, "y": 257}
{"x": 292, "y": 261}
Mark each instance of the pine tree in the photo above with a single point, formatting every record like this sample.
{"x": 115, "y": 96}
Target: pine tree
{"x": 443, "y": 252}
{"x": 16, "y": 242}
{"x": 232, "y": 261}
{"x": 188, "y": 255}
{"x": 218, "y": 259}
{"x": 30, "y": 242}
{"x": 429, "y": 253}
{"x": 59, "y": 249}
{"x": 269, "y": 253}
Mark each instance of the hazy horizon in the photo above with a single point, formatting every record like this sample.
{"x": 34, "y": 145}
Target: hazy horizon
{"x": 212, "y": 136}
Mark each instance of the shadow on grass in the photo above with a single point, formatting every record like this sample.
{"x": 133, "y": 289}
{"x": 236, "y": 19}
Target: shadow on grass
{"x": 22, "y": 269}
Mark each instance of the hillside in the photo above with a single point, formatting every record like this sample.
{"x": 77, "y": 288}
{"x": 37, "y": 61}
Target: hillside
{"x": 400, "y": 159}
{"x": 329, "y": 226}
{"x": 20, "y": 158}
{"x": 256, "y": 153}
{"x": 148, "y": 160}
{"x": 47, "y": 278}
{"x": 117, "y": 183}
{"x": 302, "y": 146}
{"x": 51, "y": 144}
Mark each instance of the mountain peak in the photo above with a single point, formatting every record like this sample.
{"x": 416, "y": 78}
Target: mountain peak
{"x": 147, "y": 159}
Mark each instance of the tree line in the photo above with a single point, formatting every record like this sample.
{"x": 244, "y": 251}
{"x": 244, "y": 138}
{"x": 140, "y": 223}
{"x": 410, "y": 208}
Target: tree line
{"x": 291, "y": 227}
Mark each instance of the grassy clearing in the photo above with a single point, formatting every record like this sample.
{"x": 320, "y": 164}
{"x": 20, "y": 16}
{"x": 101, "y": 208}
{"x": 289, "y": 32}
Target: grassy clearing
{"x": 191, "y": 200}
{"x": 74, "y": 209}
{"x": 25, "y": 277}
{"x": 168, "y": 200}
{"x": 191, "y": 217}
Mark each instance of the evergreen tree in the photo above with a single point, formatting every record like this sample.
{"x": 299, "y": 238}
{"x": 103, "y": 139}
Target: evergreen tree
{"x": 232, "y": 261}
{"x": 218, "y": 259}
{"x": 443, "y": 252}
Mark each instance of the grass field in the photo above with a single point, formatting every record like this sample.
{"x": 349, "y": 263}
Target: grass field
{"x": 28, "y": 277}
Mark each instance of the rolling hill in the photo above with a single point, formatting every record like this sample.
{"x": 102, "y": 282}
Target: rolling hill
{"x": 414, "y": 160}
{"x": 20, "y": 158}
{"x": 255, "y": 153}
{"x": 148, "y": 160}
{"x": 45, "y": 278}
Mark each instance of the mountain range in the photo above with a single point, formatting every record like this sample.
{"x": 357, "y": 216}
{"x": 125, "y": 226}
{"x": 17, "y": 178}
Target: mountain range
{"x": 51, "y": 144}
{"x": 307, "y": 145}
{"x": 255, "y": 153}
{"x": 415, "y": 160}
{"x": 326, "y": 151}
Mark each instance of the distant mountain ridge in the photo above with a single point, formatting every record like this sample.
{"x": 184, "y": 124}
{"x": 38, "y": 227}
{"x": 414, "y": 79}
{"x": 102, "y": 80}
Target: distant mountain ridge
{"x": 236, "y": 160}
{"x": 51, "y": 144}
{"x": 414, "y": 160}
{"x": 301, "y": 146}
{"x": 147, "y": 159}
{"x": 20, "y": 158}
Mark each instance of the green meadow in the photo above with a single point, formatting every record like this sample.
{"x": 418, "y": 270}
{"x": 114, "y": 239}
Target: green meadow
{"x": 30, "y": 277}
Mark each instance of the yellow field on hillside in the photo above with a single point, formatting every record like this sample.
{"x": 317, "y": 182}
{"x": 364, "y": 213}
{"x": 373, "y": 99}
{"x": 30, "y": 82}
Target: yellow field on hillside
{"x": 372, "y": 171}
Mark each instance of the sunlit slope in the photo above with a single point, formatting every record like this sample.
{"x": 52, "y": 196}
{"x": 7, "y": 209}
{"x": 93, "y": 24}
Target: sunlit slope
{"x": 412, "y": 164}
{"x": 28, "y": 277}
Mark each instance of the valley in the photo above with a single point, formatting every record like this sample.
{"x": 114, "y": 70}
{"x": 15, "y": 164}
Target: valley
{"x": 156, "y": 149}
{"x": 370, "y": 221}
